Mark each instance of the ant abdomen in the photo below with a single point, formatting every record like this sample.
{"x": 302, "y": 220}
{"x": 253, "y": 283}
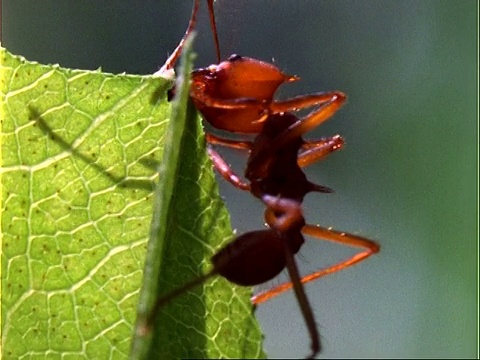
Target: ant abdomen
{"x": 255, "y": 257}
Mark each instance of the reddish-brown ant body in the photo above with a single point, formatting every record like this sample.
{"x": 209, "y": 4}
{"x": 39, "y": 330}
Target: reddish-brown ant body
{"x": 237, "y": 96}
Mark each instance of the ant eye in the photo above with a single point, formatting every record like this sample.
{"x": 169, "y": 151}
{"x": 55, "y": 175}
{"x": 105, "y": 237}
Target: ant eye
{"x": 235, "y": 57}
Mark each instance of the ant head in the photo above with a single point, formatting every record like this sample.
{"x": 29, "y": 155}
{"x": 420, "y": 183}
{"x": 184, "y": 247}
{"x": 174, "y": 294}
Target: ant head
{"x": 245, "y": 77}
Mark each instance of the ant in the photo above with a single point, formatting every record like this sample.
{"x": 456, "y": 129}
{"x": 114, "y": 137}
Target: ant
{"x": 236, "y": 95}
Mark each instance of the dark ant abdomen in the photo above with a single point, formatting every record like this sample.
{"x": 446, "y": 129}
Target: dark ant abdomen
{"x": 243, "y": 260}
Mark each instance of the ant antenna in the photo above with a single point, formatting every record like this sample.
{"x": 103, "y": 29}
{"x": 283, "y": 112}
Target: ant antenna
{"x": 213, "y": 25}
{"x": 172, "y": 59}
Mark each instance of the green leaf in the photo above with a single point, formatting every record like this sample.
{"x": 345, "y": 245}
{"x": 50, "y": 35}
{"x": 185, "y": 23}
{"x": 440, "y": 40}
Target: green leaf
{"x": 77, "y": 203}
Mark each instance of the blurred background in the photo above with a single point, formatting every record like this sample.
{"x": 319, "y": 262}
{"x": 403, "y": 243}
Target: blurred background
{"x": 407, "y": 176}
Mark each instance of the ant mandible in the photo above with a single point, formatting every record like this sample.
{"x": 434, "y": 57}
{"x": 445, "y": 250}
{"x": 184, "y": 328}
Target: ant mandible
{"x": 236, "y": 95}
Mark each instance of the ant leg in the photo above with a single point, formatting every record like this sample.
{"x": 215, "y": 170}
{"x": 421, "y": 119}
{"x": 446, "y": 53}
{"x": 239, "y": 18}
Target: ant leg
{"x": 226, "y": 171}
{"x": 312, "y": 120}
{"x": 291, "y": 215}
{"x": 302, "y": 301}
{"x": 221, "y": 165}
{"x": 233, "y": 144}
{"x": 172, "y": 59}
{"x": 310, "y": 152}
{"x": 369, "y": 246}
{"x": 313, "y": 151}
{"x": 265, "y": 107}
{"x": 330, "y": 103}
{"x": 232, "y": 104}
{"x": 303, "y": 101}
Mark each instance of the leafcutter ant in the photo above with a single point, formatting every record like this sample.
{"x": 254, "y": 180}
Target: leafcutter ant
{"x": 237, "y": 95}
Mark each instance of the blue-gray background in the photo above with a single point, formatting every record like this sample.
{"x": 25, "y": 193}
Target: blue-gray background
{"x": 406, "y": 178}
